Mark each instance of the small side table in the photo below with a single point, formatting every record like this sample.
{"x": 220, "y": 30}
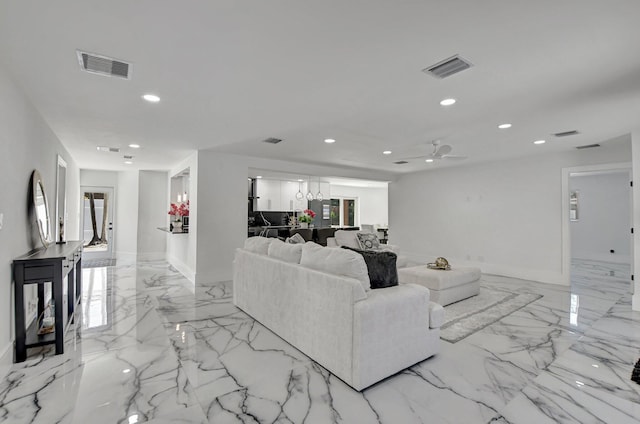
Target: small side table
{"x": 40, "y": 266}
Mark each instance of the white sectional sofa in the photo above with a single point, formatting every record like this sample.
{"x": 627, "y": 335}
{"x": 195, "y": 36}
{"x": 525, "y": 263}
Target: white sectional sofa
{"x": 318, "y": 299}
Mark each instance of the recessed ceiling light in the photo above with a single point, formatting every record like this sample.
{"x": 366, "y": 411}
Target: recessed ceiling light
{"x": 134, "y": 146}
{"x": 447, "y": 102}
{"x": 329, "y": 140}
{"x": 258, "y": 176}
{"x": 428, "y": 160}
{"x": 386, "y": 152}
{"x": 300, "y": 180}
{"x": 128, "y": 162}
{"x": 539, "y": 141}
{"x": 151, "y": 98}
{"x": 504, "y": 126}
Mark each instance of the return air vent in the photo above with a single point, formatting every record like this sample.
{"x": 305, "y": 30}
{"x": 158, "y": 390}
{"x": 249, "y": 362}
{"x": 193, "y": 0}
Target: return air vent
{"x": 103, "y": 65}
{"x": 128, "y": 157}
{"x": 108, "y": 149}
{"x": 272, "y": 140}
{"x": 566, "y": 133}
{"x": 400, "y": 162}
{"x": 447, "y": 67}
{"x": 587, "y": 146}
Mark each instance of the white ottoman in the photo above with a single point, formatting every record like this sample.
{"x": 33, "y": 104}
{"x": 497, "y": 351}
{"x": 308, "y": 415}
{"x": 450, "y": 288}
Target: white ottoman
{"x": 445, "y": 286}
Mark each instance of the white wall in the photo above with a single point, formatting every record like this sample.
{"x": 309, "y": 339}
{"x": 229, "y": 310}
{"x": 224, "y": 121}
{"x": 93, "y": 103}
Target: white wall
{"x": 182, "y": 248}
{"x": 604, "y": 221}
{"x": 222, "y": 213}
{"x": 372, "y": 203}
{"x": 152, "y": 213}
{"x": 26, "y": 143}
{"x": 504, "y": 217}
{"x": 635, "y": 141}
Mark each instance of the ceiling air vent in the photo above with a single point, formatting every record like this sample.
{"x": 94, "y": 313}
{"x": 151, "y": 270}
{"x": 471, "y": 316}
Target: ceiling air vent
{"x": 272, "y": 140}
{"x": 128, "y": 157}
{"x": 587, "y": 146}
{"x": 103, "y": 65}
{"x": 447, "y": 67}
{"x": 108, "y": 149}
{"x": 566, "y": 133}
{"x": 400, "y": 162}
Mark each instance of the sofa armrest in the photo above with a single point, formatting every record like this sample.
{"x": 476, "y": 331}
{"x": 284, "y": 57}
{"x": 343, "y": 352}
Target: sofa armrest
{"x": 391, "y": 330}
{"x": 436, "y": 315}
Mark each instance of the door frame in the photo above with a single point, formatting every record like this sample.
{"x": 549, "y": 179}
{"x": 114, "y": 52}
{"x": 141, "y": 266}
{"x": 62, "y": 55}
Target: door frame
{"x": 566, "y": 228}
{"x": 110, "y": 253}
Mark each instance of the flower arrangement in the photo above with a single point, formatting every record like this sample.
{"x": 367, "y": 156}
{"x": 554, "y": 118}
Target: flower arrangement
{"x": 179, "y": 210}
{"x": 307, "y": 216}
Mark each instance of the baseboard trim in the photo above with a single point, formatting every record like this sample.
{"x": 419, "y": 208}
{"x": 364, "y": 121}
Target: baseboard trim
{"x": 182, "y": 268}
{"x": 606, "y": 257}
{"x": 539, "y": 275}
{"x": 6, "y": 360}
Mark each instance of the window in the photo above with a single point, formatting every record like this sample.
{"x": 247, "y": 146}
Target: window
{"x": 343, "y": 212}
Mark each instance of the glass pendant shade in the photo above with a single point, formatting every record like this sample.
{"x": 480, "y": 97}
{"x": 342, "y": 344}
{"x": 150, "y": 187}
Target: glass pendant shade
{"x": 319, "y": 196}
{"x": 309, "y": 194}
{"x": 299, "y": 194}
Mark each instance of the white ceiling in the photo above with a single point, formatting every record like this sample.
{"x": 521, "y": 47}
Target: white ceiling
{"x": 233, "y": 73}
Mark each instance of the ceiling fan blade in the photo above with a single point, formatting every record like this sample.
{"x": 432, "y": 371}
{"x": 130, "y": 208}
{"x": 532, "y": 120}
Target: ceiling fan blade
{"x": 454, "y": 157}
{"x": 442, "y": 150}
{"x": 417, "y": 157}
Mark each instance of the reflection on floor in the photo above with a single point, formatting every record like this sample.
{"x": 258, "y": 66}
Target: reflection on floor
{"x": 150, "y": 349}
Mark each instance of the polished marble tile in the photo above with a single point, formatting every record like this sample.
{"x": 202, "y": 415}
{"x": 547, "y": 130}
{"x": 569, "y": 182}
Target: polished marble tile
{"x": 151, "y": 347}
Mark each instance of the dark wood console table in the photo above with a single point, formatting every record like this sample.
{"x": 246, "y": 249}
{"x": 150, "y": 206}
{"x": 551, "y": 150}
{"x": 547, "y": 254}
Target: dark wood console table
{"x": 42, "y": 266}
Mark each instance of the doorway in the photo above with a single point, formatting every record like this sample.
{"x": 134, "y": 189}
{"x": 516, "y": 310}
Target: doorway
{"x": 597, "y": 218}
{"x": 97, "y": 222}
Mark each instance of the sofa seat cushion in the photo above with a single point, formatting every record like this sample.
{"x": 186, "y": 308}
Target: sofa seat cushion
{"x": 287, "y": 252}
{"x": 258, "y": 244}
{"x": 336, "y": 261}
{"x": 381, "y": 267}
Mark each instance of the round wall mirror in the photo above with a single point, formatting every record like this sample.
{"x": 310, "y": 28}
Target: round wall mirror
{"x": 41, "y": 208}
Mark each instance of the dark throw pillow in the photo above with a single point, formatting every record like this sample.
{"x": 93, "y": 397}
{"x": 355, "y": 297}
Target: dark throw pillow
{"x": 381, "y": 267}
{"x": 635, "y": 375}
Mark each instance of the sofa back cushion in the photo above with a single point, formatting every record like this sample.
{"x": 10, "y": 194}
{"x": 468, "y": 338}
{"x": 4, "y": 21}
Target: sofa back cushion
{"x": 347, "y": 238}
{"x": 336, "y": 261}
{"x": 287, "y": 252}
{"x": 258, "y": 244}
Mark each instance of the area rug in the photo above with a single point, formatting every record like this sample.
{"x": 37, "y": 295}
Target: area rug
{"x": 462, "y": 319}
{"x": 98, "y": 263}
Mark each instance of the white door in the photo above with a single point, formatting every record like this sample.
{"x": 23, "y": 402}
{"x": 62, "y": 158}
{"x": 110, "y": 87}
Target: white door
{"x": 97, "y": 222}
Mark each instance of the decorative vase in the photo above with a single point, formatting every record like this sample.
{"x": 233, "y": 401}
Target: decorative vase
{"x": 177, "y": 226}
{"x": 304, "y": 225}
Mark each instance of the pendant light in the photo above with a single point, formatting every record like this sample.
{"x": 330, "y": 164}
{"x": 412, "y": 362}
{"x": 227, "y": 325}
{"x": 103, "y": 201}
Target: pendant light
{"x": 299, "y": 194}
{"x": 309, "y": 194}
{"x": 319, "y": 196}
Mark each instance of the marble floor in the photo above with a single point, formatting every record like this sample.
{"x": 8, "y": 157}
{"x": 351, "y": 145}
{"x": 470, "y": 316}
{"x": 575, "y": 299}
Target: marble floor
{"x": 150, "y": 348}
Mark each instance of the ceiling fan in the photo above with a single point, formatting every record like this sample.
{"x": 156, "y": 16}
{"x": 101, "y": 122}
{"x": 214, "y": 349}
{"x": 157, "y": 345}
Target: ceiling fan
{"x": 440, "y": 151}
